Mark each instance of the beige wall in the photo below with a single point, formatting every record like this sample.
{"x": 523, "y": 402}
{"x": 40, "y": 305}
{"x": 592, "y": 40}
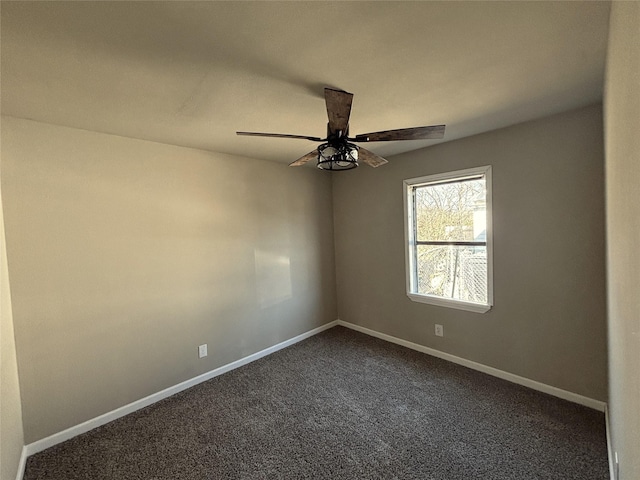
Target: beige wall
{"x": 11, "y": 434}
{"x": 125, "y": 255}
{"x": 548, "y": 323}
{"x": 622, "y": 114}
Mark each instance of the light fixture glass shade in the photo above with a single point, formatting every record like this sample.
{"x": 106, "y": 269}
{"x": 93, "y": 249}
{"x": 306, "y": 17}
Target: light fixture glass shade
{"x": 343, "y": 156}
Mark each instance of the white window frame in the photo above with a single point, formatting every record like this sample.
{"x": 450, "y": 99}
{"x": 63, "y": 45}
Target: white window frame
{"x": 410, "y": 240}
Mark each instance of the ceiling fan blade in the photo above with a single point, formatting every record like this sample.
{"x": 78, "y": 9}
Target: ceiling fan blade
{"x": 304, "y": 159}
{"x": 370, "y": 158}
{"x": 338, "y": 109}
{"x": 280, "y": 135}
{"x": 415, "y": 133}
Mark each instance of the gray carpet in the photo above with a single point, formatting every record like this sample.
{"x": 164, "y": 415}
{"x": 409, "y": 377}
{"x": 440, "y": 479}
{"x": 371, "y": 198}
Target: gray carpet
{"x": 342, "y": 405}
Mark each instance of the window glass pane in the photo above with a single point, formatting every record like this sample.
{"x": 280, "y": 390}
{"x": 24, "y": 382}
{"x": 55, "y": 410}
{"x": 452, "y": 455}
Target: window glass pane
{"x": 456, "y": 272}
{"x": 454, "y": 211}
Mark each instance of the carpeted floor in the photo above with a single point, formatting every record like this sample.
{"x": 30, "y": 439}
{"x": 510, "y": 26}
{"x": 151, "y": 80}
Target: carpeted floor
{"x": 342, "y": 405}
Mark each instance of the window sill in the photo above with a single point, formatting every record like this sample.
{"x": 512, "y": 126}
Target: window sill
{"x": 450, "y": 303}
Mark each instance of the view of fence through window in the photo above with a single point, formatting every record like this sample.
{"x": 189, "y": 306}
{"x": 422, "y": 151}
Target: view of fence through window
{"x": 450, "y": 237}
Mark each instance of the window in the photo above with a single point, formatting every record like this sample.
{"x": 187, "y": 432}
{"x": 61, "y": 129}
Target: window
{"x": 448, "y": 239}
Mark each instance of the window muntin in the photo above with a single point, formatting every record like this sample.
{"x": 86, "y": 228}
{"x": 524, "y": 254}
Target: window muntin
{"x": 447, "y": 222}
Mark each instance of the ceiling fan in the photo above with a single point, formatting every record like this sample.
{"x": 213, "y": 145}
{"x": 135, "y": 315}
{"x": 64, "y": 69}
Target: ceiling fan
{"x": 338, "y": 152}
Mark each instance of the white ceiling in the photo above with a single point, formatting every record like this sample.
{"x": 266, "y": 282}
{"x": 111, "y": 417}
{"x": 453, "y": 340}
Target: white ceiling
{"x": 192, "y": 73}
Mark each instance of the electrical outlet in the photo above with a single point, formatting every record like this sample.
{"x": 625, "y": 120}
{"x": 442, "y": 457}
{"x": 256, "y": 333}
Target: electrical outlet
{"x": 439, "y": 330}
{"x": 202, "y": 350}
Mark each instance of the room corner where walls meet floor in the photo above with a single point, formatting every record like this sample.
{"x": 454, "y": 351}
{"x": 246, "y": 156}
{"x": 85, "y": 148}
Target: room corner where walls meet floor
{"x": 84, "y": 427}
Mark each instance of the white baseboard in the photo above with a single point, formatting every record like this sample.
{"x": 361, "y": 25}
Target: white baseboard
{"x": 541, "y": 387}
{"x": 84, "y": 427}
{"x": 22, "y": 464}
{"x": 613, "y": 464}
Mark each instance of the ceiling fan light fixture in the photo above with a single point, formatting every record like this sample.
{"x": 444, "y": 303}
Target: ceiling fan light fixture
{"x": 337, "y": 157}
